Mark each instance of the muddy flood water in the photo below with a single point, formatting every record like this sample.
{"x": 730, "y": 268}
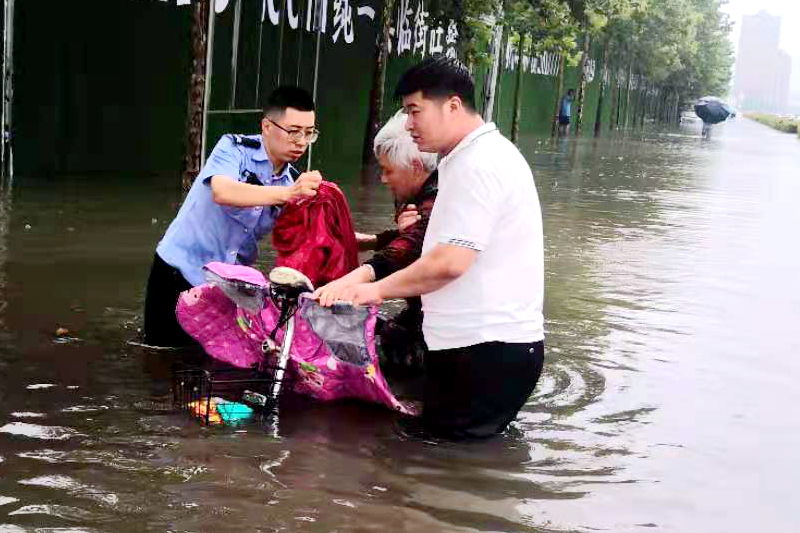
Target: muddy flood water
{"x": 668, "y": 402}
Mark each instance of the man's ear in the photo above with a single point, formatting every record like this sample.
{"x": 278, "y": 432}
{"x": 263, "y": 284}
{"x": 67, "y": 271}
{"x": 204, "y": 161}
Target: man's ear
{"x": 265, "y": 125}
{"x": 416, "y": 165}
{"x": 454, "y": 103}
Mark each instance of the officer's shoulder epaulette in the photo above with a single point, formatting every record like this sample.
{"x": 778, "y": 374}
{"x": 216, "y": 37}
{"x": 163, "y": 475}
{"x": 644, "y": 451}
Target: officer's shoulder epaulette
{"x": 244, "y": 141}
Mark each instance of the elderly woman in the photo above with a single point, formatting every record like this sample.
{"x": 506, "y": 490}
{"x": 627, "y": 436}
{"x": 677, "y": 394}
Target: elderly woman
{"x": 411, "y": 176}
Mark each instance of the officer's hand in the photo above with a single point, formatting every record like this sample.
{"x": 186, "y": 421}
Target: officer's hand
{"x": 306, "y": 185}
{"x": 408, "y": 218}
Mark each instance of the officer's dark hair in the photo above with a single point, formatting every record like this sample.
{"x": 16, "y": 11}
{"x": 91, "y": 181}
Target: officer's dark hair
{"x": 571, "y": 91}
{"x": 439, "y": 77}
{"x": 288, "y": 96}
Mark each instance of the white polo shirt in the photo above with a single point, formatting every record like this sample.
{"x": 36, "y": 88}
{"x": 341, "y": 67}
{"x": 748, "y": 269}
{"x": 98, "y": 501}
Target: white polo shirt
{"x": 487, "y": 201}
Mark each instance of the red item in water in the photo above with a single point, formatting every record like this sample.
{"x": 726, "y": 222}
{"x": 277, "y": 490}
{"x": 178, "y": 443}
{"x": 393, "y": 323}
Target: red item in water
{"x": 316, "y": 236}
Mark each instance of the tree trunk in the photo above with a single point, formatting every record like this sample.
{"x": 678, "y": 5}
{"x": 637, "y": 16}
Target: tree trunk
{"x": 582, "y": 84}
{"x": 668, "y": 110}
{"x": 612, "y": 115}
{"x": 500, "y": 92}
{"x": 599, "y": 115}
{"x": 639, "y": 107}
{"x": 673, "y": 110}
{"x": 490, "y": 86}
{"x": 619, "y": 107}
{"x": 643, "y": 101}
{"x": 197, "y": 89}
{"x": 628, "y": 94}
{"x": 518, "y": 92}
{"x": 559, "y": 89}
{"x": 653, "y": 104}
{"x": 660, "y": 107}
{"x": 659, "y": 104}
{"x": 376, "y": 95}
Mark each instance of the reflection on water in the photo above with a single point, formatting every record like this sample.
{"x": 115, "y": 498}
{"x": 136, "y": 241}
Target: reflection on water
{"x": 672, "y": 298}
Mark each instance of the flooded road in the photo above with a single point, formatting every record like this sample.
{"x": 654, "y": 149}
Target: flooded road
{"x": 668, "y": 400}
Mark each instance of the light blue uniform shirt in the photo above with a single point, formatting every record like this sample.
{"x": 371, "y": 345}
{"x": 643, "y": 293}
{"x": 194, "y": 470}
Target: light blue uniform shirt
{"x": 205, "y": 231}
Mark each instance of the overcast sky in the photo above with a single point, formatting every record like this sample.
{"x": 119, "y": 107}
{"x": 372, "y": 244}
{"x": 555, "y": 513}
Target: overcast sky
{"x": 789, "y": 10}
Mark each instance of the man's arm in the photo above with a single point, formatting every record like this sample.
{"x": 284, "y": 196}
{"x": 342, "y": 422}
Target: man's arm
{"x": 331, "y": 293}
{"x": 442, "y": 265}
{"x": 228, "y": 191}
{"x": 472, "y": 213}
{"x": 390, "y": 258}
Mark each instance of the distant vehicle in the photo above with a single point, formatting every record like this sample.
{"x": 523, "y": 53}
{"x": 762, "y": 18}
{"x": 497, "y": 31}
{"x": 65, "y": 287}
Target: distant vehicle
{"x": 690, "y": 118}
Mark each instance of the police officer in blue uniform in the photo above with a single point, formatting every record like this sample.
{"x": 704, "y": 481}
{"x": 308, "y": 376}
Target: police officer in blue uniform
{"x": 232, "y": 204}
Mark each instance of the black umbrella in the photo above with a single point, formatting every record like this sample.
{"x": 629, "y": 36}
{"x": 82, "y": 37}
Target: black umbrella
{"x": 712, "y": 110}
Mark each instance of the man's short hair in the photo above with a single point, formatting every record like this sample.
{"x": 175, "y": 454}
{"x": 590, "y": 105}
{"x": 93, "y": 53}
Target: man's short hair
{"x": 288, "y": 96}
{"x": 436, "y": 77}
{"x": 395, "y": 142}
{"x": 571, "y": 91}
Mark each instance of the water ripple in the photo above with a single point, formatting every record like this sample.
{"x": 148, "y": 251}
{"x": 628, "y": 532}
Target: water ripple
{"x": 73, "y": 487}
{"x": 48, "y": 456}
{"x": 60, "y": 511}
{"x": 84, "y": 408}
{"x": 64, "y": 530}
{"x": 106, "y": 458}
{"x": 36, "y": 431}
{"x": 27, "y": 414}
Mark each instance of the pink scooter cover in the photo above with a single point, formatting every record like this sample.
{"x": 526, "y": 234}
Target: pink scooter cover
{"x": 333, "y": 354}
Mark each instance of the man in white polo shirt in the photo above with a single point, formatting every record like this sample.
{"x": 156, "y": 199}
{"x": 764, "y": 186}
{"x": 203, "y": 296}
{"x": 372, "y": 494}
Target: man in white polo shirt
{"x": 481, "y": 271}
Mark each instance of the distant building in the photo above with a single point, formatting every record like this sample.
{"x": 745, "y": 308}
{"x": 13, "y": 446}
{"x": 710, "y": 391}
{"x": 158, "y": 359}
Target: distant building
{"x": 763, "y": 71}
{"x": 794, "y": 90}
{"x": 783, "y": 79}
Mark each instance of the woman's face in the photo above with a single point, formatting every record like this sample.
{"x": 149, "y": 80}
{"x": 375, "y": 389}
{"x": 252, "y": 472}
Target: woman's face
{"x": 404, "y": 182}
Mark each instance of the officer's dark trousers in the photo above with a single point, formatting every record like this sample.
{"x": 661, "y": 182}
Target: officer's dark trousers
{"x": 477, "y": 391}
{"x": 164, "y": 285}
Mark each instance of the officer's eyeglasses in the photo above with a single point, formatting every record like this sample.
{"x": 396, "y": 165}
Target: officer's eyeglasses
{"x": 298, "y": 135}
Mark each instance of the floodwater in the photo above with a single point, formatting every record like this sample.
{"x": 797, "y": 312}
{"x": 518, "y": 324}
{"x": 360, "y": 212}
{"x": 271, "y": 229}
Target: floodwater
{"x": 667, "y": 400}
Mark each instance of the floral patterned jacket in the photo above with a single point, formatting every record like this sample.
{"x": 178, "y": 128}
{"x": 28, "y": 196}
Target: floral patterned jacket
{"x": 402, "y": 342}
{"x": 395, "y": 250}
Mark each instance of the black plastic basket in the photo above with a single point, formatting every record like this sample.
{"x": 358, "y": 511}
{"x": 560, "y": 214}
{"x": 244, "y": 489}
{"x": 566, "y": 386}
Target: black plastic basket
{"x": 194, "y": 387}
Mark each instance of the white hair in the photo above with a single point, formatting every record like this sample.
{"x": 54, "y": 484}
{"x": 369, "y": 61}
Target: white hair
{"x": 394, "y": 141}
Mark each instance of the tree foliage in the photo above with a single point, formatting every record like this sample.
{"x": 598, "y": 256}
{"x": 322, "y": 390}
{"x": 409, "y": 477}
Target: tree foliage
{"x": 681, "y": 46}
